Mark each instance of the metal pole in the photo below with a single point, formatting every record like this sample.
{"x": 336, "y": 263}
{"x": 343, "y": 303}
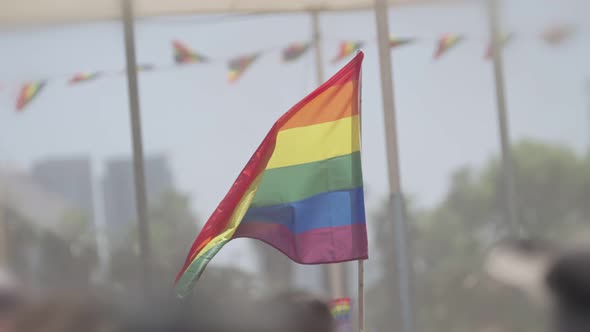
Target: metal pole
{"x": 140, "y": 190}
{"x": 401, "y": 265}
{"x": 334, "y": 272}
{"x": 317, "y": 45}
{"x": 588, "y": 112}
{"x": 4, "y": 247}
{"x": 507, "y": 161}
{"x": 361, "y": 295}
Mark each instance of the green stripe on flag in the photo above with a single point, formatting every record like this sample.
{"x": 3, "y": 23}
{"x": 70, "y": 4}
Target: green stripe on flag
{"x": 294, "y": 183}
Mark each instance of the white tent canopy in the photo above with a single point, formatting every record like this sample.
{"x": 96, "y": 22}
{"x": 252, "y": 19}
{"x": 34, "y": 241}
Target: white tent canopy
{"x": 26, "y": 12}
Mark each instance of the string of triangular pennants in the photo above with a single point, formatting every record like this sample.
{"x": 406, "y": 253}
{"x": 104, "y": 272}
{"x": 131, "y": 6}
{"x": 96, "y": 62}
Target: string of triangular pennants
{"x": 237, "y": 66}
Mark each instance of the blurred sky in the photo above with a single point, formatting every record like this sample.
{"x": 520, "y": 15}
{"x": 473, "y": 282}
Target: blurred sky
{"x": 209, "y": 129}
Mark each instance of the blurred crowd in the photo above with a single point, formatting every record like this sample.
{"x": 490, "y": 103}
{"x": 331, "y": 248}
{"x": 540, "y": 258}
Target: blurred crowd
{"x": 75, "y": 312}
{"x": 558, "y": 278}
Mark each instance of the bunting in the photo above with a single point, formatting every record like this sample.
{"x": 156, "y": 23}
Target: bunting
{"x": 184, "y": 55}
{"x": 506, "y": 38}
{"x": 145, "y": 67}
{"x": 397, "y": 42}
{"x": 27, "y": 93}
{"x": 554, "y": 35}
{"x": 558, "y": 34}
{"x": 83, "y": 77}
{"x": 445, "y": 43}
{"x": 238, "y": 66}
{"x": 347, "y": 48}
{"x": 295, "y": 51}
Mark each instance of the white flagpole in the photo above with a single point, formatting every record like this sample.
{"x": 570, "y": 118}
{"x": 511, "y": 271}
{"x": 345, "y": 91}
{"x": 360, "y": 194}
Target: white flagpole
{"x": 361, "y": 263}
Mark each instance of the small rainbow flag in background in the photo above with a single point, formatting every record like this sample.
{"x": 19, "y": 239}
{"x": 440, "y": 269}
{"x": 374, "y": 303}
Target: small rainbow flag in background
{"x": 239, "y": 65}
{"x": 302, "y": 190}
{"x": 83, "y": 77}
{"x": 557, "y": 34}
{"x": 340, "y": 308}
{"x": 506, "y": 38}
{"x": 183, "y": 54}
{"x": 295, "y": 51}
{"x": 341, "y": 311}
{"x": 445, "y": 43}
{"x": 27, "y": 93}
{"x": 396, "y": 42}
{"x": 347, "y": 48}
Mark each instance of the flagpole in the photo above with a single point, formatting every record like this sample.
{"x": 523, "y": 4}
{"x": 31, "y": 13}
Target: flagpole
{"x": 4, "y": 247}
{"x": 588, "y": 111}
{"x": 333, "y": 272}
{"x": 361, "y": 295}
{"x": 509, "y": 187}
{"x": 401, "y": 265}
{"x": 138, "y": 167}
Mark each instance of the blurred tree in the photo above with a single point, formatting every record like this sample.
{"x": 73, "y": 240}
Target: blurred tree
{"x": 173, "y": 229}
{"x": 450, "y": 240}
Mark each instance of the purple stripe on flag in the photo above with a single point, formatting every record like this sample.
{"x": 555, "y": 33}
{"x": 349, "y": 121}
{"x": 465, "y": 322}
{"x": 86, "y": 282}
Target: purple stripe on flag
{"x": 317, "y": 246}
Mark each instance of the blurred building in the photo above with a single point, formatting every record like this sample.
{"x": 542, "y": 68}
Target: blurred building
{"x": 32, "y": 244}
{"x": 21, "y": 194}
{"x": 119, "y": 190}
{"x": 70, "y": 178}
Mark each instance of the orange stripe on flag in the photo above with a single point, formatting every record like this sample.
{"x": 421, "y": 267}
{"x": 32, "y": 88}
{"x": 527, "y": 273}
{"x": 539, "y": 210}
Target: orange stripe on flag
{"x": 331, "y": 105}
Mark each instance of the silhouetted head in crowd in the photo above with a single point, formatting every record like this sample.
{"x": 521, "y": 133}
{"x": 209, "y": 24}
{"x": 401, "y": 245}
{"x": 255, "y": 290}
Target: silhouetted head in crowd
{"x": 299, "y": 311}
{"x": 556, "y": 278}
{"x": 62, "y": 314}
{"x": 10, "y": 300}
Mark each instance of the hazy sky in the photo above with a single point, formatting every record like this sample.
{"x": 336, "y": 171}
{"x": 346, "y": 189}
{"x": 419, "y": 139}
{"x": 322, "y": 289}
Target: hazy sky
{"x": 209, "y": 129}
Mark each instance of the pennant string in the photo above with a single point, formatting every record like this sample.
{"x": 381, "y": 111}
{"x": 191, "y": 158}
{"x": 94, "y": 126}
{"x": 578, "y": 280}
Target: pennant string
{"x": 185, "y": 56}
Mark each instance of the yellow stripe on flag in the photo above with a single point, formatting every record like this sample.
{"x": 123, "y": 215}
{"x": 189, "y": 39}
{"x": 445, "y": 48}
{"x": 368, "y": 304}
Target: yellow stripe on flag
{"x": 317, "y": 142}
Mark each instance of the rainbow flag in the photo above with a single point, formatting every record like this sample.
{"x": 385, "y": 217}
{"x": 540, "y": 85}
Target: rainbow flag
{"x": 396, "y": 42}
{"x": 557, "y": 34}
{"x": 295, "y": 51}
{"x": 445, "y": 43}
{"x": 239, "y": 65}
{"x": 347, "y": 48}
{"x": 184, "y": 55}
{"x": 302, "y": 190}
{"x": 505, "y": 40}
{"x": 27, "y": 93}
{"x": 340, "y": 309}
{"x": 83, "y": 77}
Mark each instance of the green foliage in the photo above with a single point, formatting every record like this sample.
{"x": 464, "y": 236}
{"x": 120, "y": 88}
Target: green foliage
{"x": 449, "y": 241}
{"x": 173, "y": 229}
